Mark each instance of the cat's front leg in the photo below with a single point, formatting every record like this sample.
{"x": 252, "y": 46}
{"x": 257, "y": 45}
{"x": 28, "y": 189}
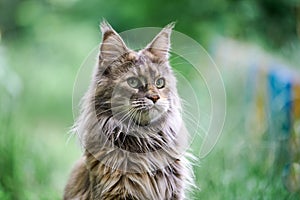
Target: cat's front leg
{"x": 78, "y": 185}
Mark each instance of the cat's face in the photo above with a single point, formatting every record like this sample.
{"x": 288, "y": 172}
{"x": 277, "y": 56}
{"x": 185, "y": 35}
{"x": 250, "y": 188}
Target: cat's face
{"x": 142, "y": 93}
{"x": 138, "y": 85}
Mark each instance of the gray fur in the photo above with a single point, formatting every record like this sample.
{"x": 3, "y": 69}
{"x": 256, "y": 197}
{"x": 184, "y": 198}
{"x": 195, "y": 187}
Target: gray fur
{"x": 135, "y": 148}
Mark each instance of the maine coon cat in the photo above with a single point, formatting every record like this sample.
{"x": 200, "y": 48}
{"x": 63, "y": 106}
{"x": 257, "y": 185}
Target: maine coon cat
{"x": 131, "y": 126}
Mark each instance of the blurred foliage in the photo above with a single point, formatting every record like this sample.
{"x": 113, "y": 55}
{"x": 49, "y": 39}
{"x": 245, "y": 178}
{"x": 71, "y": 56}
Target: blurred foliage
{"x": 44, "y": 42}
{"x": 274, "y": 23}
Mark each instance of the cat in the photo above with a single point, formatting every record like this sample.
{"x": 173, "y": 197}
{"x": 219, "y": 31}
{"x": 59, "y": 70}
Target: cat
{"x": 131, "y": 127}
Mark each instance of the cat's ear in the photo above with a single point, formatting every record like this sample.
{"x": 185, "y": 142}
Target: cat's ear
{"x": 160, "y": 46}
{"x": 112, "y": 46}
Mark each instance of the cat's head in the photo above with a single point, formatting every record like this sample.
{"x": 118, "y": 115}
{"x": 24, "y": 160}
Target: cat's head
{"x": 135, "y": 87}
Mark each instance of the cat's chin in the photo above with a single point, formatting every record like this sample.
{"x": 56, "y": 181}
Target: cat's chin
{"x": 148, "y": 117}
{"x": 142, "y": 123}
{"x": 145, "y": 123}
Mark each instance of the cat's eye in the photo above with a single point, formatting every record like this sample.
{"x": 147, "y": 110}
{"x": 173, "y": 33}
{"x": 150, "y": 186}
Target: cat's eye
{"x": 160, "y": 83}
{"x": 134, "y": 82}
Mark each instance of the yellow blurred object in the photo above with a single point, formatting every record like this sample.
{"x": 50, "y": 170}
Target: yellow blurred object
{"x": 296, "y": 99}
{"x": 256, "y": 120}
{"x": 291, "y": 173}
{"x": 295, "y": 143}
{"x": 291, "y": 177}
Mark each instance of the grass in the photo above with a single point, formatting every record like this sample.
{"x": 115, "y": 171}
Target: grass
{"x": 36, "y": 157}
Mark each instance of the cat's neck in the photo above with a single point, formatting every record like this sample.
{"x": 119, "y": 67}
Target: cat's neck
{"x": 135, "y": 138}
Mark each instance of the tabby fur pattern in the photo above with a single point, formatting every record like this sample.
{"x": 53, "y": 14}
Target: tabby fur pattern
{"x": 131, "y": 126}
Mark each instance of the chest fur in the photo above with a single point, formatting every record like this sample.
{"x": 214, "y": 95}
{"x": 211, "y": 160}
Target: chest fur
{"x": 127, "y": 179}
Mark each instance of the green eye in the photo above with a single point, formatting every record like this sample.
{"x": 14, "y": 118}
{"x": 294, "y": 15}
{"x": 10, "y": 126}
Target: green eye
{"x": 160, "y": 83}
{"x": 134, "y": 82}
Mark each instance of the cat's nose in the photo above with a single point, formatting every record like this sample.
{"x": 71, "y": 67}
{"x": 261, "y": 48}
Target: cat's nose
{"x": 153, "y": 98}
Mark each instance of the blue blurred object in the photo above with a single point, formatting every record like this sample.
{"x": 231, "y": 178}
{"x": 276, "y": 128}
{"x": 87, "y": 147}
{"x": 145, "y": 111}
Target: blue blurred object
{"x": 280, "y": 101}
{"x": 282, "y": 118}
{"x": 279, "y": 83}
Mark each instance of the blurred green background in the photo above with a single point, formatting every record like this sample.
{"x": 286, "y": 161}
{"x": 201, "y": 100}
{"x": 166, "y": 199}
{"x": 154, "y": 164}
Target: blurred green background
{"x": 43, "y": 43}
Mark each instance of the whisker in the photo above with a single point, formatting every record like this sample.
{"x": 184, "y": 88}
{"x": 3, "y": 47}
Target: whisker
{"x": 179, "y": 63}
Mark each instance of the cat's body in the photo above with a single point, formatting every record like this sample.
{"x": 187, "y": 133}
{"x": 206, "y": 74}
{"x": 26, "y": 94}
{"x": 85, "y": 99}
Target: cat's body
{"x": 131, "y": 127}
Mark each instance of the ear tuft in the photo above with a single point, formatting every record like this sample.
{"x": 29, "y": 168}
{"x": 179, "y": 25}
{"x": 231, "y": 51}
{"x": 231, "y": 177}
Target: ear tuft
{"x": 161, "y": 44}
{"x": 112, "y": 45}
{"x": 105, "y": 26}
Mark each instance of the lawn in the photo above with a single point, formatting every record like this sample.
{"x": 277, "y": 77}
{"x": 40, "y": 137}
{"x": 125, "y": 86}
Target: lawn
{"x": 38, "y": 68}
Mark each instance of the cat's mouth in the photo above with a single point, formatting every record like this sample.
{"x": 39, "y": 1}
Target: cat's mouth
{"x": 147, "y": 115}
{"x": 142, "y": 118}
{"x": 139, "y": 112}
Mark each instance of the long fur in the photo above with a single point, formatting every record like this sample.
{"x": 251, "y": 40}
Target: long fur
{"x": 130, "y": 156}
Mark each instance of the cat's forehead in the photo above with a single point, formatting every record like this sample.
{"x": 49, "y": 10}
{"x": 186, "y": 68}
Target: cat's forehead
{"x": 145, "y": 66}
